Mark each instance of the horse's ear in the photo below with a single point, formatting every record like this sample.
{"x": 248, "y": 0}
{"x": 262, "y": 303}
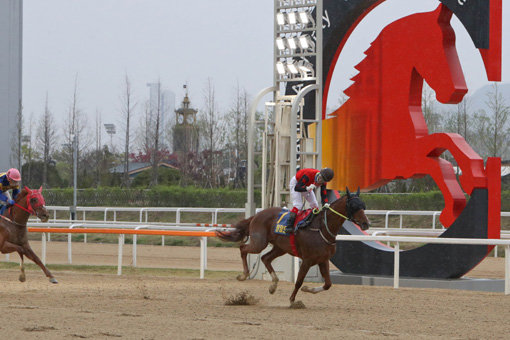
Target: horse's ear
{"x": 40, "y": 189}
{"x": 27, "y": 189}
{"x": 357, "y": 193}
{"x": 347, "y": 192}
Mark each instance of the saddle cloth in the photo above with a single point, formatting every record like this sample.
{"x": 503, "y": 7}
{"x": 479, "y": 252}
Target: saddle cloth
{"x": 302, "y": 220}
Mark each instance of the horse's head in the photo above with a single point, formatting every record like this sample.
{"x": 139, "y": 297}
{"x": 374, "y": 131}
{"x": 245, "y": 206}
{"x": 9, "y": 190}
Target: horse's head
{"x": 356, "y": 209}
{"x": 435, "y": 56}
{"x": 32, "y": 201}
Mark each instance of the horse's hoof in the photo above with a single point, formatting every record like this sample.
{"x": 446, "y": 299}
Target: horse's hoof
{"x": 297, "y": 305}
{"x": 22, "y": 278}
{"x": 241, "y": 277}
{"x": 272, "y": 289}
{"x": 305, "y": 289}
{"x": 53, "y": 280}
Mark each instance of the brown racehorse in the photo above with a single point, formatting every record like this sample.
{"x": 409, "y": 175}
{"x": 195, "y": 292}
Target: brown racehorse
{"x": 315, "y": 244}
{"x": 13, "y": 228}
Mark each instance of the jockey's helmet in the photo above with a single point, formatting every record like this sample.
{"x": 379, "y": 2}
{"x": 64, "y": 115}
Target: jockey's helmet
{"x": 327, "y": 174}
{"x": 13, "y": 175}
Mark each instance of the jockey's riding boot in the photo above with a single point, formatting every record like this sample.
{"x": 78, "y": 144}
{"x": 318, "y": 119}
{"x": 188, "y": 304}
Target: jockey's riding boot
{"x": 290, "y": 222}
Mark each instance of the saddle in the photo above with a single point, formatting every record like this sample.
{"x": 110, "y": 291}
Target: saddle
{"x": 303, "y": 219}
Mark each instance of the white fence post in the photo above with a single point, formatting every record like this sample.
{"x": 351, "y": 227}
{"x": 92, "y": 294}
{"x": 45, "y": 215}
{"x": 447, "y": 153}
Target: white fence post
{"x": 43, "y": 251}
{"x": 396, "y": 267}
{"x": 119, "y": 260}
{"x": 507, "y": 269}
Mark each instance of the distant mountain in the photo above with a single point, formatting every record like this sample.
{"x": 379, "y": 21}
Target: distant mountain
{"x": 479, "y": 98}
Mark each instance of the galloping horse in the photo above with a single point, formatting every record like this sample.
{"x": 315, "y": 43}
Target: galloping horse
{"x": 380, "y": 133}
{"x": 13, "y": 228}
{"x": 314, "y": 244}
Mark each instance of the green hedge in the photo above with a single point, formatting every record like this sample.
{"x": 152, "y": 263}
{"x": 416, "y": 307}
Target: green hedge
{"x": 163, "y": 196}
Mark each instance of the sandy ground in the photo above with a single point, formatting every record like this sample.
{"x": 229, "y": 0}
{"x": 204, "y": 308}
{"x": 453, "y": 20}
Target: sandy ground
{"x": 104, "y": 306}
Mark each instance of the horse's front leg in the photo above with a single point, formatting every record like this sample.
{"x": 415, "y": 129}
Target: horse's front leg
{"x": 22, "y": 276}
{"x": 32, "y": 256}
{"x": 324, "y": 268}
{"x": 303, "y": 270}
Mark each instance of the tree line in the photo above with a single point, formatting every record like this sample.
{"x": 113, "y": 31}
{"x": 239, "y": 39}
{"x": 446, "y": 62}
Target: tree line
{"x": 47, "y": 157}
{"x": 45, "y": 151}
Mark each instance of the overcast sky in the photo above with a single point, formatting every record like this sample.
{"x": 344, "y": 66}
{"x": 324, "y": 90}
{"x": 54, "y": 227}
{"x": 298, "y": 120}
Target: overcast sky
{"x": 179, "y": 42}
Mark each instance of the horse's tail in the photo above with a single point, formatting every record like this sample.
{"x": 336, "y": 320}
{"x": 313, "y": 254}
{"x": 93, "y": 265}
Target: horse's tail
{"x": 240, "y": 234}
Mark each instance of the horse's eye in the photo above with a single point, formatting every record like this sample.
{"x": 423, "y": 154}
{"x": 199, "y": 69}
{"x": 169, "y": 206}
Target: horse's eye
{"x": 33, "y": 200}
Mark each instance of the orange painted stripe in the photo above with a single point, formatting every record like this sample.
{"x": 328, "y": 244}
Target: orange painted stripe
{"x": 122, "y": 231}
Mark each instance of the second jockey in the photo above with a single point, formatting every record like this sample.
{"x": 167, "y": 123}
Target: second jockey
{"x": 303, "y": 186}
{"x": 9, "y": 181}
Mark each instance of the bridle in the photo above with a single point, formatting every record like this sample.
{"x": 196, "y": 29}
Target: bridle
{"x": 32, "y": 194}
{"x": 349, "y": 217}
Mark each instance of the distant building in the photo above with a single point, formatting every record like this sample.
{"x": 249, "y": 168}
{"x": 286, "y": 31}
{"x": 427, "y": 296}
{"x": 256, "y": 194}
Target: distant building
{"x": 134, "y": 168}
{"x": 186, "y": 135}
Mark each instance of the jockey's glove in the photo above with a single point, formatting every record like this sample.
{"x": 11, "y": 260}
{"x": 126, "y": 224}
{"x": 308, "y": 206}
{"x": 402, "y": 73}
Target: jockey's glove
{"x": 10, "y": 202}
{"x": 325, "y": 206}
{"x": 310, "y": 187}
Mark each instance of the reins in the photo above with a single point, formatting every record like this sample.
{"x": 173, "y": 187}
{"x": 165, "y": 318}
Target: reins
{"x": 30, "y": 210}
{"x": 326, "y": 206}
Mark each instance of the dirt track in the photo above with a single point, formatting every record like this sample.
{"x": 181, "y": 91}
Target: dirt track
{"x": 148, "y": 307}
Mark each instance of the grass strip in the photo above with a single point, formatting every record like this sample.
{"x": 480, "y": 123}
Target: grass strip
{"x": 126, "y": 270}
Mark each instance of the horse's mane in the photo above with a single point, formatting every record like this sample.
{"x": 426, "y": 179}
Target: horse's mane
{"x": 22, "y": 194}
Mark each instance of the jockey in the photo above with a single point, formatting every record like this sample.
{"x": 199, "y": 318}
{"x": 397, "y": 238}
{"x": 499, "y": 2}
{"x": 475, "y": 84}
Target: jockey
{"x": 9, "y": 181}
{"x": 303, "y": 185}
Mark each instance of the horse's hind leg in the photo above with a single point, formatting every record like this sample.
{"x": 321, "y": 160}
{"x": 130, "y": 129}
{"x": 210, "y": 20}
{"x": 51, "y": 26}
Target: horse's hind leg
{"x": 256, "y": 245}
{"x": 324, "y": 268}
{"x": 22, "y": 276}
{"x": 9, "y": 247}
{"x": 267, "y": 259}
{"x": 32, "y": 256}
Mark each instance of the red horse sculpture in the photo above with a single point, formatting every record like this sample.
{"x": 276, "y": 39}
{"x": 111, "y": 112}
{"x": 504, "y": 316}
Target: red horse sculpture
{"x": 380, "y": 133}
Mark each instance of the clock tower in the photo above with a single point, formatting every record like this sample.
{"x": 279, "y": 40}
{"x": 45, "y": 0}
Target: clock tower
{"x": 186, "y": 129}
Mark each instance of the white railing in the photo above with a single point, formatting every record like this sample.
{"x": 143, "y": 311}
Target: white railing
{"x": 121, "y": 236}
{"x": 398, "y": 239}
{"x": 142, "y": 212}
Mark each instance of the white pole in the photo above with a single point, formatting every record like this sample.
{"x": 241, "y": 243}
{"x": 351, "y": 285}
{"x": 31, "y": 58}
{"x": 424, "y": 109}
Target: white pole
{"x": 396, "y": 268}
{"x": 135, "y": 239}
{"x": 119, "y": 262}
{"x": 69, "y": 255}
{"x": 205, "y": 251}
{"x": 202, "y": 258}
{"x": 507, "y": 269}
{"x": 43, "y": 251}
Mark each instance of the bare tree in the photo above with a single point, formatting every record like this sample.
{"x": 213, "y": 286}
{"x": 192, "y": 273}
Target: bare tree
{"x": 98, "y": 160}
{"x": 493, "y": 127}
{"x": 432, "y": 118}
{"x": 155, "y": 157}
{"x": 237, "y": 141}
{"x": 127, "y": 109}
{"x": 75, "y": 129}
{"x": 46, "y": 134}
{"x": 16, "y": 157}
{"x": 213, "y": 138}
